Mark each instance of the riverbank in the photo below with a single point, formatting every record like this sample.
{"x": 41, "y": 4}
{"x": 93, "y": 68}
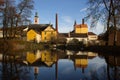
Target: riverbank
{"x": 99, "y": 49}
{"x": 19, "y": 45}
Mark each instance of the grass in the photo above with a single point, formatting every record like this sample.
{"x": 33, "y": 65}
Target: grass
{"x": 18, "y": 45}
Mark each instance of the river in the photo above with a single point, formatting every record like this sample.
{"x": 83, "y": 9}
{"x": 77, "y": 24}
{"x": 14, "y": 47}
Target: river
{"x": 58, "y": 65}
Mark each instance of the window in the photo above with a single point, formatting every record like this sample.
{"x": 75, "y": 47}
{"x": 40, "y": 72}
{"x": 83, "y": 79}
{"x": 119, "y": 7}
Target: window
{"x": 45, "y": 38}
{"x": 51, "y": 33}
{"x": 45, "y": 33}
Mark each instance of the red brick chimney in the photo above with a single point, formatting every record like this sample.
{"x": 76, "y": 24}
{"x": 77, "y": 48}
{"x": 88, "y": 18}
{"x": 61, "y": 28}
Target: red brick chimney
{"x": 56, "y": 22}
{"x": 82, "y": 21}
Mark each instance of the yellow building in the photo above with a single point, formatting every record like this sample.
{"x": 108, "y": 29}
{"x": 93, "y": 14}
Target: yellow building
{"x": 31, "y": 58}
{"x": 48, "y": 34}
{"x": 40, "y": 32}
{"x": 31, "y": 35}
{"x": 81, "y": 28}
{"x": 48, "y": 58}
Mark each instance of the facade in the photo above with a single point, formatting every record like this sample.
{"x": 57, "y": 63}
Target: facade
{"x": 92, "y": 36}
{"x": 79, "y": 37}
{"x": 80, "y": 28}
{"x": 111, "y": 38}
{"x": 31, "y": 35}
{"x": 81, "y": 33}
{"x": 40, "y": 32}
{"x": 48, "y": 34}
{"x": 1, "y": 34}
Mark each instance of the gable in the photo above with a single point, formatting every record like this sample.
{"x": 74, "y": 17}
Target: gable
{"x": 31, "y": 31}
{"x": 49, "y": 28}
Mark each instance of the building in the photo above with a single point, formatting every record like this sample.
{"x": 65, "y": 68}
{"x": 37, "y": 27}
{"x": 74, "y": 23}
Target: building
{"x": 111, "y": 38}
{"x": 1, "y": 34}
{"x": 80, "y": 32}
{"x": 80, "y": 28}
{"x": 40, "y": 32}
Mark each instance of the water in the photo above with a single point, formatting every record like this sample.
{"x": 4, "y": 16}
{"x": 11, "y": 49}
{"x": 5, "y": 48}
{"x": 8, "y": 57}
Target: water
{"x": 58, "y": 65}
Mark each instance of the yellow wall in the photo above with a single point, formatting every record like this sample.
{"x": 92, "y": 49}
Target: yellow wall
{"x": 30, "y": 57}
{"x": 31, "y": 35}
{"x": 48, "y": 34}
{"x": 81, "y": 62}
{"x": 81, "y": 30}
{"x": 47, "y": 56}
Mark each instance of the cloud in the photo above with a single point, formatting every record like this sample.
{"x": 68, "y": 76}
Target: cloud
{"x": 66, "y": 24}
{"x": 84, "y": 9}
{"x": 65, "y": 28}
{"x": 98, "y": 29}
{"x": 67, "y": 70}
{"x": 67, "y": 19}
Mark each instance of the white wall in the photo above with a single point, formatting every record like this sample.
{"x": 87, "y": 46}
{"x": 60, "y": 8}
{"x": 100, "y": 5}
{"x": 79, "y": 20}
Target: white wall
{"x": 79, "y": 39}
{"x": 92, "y": 37}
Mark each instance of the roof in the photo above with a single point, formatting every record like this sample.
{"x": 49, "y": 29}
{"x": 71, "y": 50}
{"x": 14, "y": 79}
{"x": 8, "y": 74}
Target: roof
{"x": 73, "y": 35}
{"x": 91, "y": 33}
{"x": 78, "y": 35}
{"x": 37, "y": 27}
{"x": 81, "y": 26}
{"x": 63, "y": 34}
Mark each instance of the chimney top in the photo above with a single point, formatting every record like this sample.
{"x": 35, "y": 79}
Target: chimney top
{"x": 57, "y": 22}
{"x": 82, "y": 21}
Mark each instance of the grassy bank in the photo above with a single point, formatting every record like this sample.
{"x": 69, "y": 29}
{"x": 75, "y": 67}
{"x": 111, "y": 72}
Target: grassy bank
{"x": 17, "y": 45}
{"x": 99, "y": 49}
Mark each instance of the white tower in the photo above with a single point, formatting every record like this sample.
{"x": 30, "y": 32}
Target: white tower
{"x": 36, "y": 18}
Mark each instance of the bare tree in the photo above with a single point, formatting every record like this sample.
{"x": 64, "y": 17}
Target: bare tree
{"x": 24, "y": 10}
{"x": 13, "y": 13}
{"x": 106, "y": 11}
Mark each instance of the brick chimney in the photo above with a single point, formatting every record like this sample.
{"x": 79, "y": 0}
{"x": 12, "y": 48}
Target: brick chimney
{"x": 82, "y": 21}
{"x": 56, "y": 22}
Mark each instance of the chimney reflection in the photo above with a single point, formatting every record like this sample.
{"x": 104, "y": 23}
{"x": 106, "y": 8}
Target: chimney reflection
{"x": 36, "y": 71}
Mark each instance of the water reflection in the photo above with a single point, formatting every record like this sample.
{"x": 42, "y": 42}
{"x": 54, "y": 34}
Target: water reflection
{"x": 58, "y": 65}
{"x": 113, "y": 63}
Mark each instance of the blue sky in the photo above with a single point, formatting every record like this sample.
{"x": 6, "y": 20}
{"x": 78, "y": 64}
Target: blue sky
{"x": 68, "y": 11}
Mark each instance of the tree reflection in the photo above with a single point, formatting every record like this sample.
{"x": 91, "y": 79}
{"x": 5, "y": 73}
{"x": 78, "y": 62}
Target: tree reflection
{"x": 11, "y": 68}
{"x": 113, "y": 67}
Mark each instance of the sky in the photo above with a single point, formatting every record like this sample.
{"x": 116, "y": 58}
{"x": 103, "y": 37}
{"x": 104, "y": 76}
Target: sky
{"x": 68, "y": 11}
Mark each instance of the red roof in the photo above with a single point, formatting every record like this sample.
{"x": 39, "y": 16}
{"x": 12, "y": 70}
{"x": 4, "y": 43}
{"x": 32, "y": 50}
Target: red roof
{"x": 81, "y": 26}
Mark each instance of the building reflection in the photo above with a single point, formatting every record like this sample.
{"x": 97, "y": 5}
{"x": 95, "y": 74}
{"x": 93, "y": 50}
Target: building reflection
{"x": 80, "y": 59}
{"x": 14, "y": 65}
{"x": 44, "y": 58}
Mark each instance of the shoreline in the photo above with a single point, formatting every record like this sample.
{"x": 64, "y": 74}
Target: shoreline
{"x": 99, "y": 49}
{"x": 18, "y": 45}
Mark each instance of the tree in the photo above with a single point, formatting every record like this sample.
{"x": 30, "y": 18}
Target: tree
{"x": 13, "y": 13}
{"x": 106, "y": 11}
